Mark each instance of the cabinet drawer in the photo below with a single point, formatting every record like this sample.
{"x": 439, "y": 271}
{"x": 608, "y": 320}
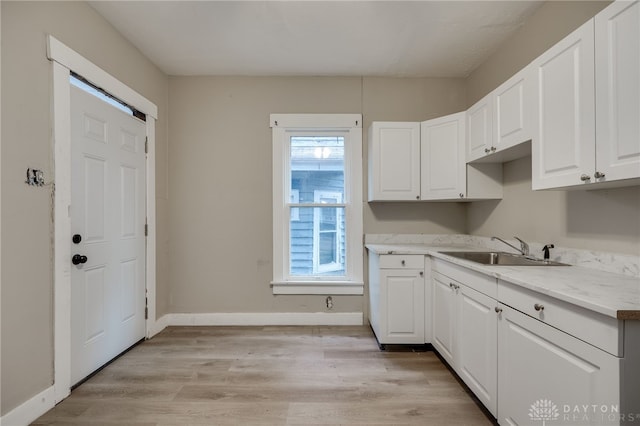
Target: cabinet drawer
{"x": 594, "y": 328}
{"x": 399, "y": 261}
{"x": 475, "y": 280}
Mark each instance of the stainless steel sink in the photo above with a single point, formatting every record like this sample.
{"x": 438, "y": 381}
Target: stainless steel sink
{"x": 500, "y": 258}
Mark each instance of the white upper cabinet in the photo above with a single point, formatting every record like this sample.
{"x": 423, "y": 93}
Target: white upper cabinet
{"x": 442, "y": 158}
{"x": 394, "y": 161}
{"x": 480, "y": 128}
{"x": 588, "y": 100}
{"x": 617, "y": 48}
{"x": 563, "y": 151}
{"x": 514, "y": 113}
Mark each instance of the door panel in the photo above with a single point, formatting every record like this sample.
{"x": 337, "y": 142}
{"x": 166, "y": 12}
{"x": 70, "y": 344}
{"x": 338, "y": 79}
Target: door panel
{"x": 564, "y": 148}
{"x": 108, "y": 211}
{"x": 618, "y": 91}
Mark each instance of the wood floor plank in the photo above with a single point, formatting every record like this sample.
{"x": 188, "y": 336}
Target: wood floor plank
{"x": 269, "y": 376}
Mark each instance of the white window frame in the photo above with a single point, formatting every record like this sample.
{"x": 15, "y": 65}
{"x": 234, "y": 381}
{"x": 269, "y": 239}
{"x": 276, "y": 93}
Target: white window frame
{"x": 349, "y": 126}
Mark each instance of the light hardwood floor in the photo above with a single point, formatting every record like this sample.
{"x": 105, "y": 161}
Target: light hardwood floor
{"x": 269, "y": 376}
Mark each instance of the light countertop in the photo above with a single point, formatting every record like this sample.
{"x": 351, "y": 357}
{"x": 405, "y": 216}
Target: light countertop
{"x": 610, "y": 294}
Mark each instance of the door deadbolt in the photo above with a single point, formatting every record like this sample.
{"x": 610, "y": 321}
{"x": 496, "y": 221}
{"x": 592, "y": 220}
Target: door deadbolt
{"x": 76, "y": 239}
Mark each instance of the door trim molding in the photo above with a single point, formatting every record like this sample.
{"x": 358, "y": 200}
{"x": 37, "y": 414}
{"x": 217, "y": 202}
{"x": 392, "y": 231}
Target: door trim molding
{"x": 64, "y": 60}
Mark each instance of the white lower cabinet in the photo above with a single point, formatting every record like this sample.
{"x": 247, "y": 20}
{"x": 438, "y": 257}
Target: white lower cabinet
{"x": 465, "y": 335}
{"x": 477, "y": 361}
{"x": 545, "y": 374}
{"x": 444, "y": 308}
{"x": 531, "y": 358}
{"x": 396, "y": 295}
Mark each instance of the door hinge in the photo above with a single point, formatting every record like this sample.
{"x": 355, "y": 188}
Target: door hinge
{"x": 146, "y": 145}
{"x": 146, "y": 230}
{"x": 146, "y": 308}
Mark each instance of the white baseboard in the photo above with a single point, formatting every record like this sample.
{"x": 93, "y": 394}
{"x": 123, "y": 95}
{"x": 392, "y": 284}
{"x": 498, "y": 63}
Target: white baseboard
{"x": 267, "y": 318}
{"x": 157, "y": 326}
{"x": 30, "y": 410}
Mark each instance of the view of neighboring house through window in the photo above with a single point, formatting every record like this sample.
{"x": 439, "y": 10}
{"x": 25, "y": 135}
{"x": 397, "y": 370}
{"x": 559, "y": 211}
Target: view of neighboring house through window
{"x": 317, "y": 201}
{"x": 317, "y": 234}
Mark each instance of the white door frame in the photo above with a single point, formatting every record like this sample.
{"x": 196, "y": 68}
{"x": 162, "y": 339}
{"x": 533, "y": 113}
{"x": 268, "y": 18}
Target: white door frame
{"x": 63, "y": 61}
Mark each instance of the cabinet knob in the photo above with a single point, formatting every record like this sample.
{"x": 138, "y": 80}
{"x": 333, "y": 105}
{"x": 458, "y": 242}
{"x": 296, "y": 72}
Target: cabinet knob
{"x": 421, "y": 273}
{"x": 487, "y": 150}
{"x": 498, "y": 309}
{"x": 417, "y": 197}
{"x": 461, "y": 195}
{"x": 493, "y": 149}
{"x": 598, "y": 175}
{"x": 403, "y": 262}
{"x": 585, "y": 178}
{"x": 538, "y": 307}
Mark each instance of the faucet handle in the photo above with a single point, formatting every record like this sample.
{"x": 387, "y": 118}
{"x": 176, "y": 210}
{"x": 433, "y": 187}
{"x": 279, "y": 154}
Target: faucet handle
{"x": 523, "y": 246}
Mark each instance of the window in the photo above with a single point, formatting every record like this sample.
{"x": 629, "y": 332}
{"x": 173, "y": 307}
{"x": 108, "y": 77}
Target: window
{"x": 317, "y": 203}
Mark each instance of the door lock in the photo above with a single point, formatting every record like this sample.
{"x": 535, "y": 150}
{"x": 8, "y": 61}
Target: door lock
{"x": 78, "y": 259}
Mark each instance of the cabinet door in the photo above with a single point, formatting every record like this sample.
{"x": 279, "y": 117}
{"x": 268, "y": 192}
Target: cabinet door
{"x": 618, "y": 91}
{"x": 545, "y": 374}
{"x": 444, "y": 299}
{"x": 401, "y": 306}
{"x": 514, "y": 110}
{"x": 480, "y": 128}
{"x": 563, "y": 148}
{"x": 443, "y": 169}
{"x": 394, "y": 161}
{"x": 477, "y": 351}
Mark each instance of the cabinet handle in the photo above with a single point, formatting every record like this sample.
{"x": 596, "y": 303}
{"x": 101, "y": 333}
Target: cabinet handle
{"x": 498, "y": 310}
{"x": 585, "y": 178}
{"x": 493, "y": 149}
{"x": 598, "y": 175}
{"x": 487, "y": 150}
{"x": 538, "y": 307}
{"x": 454, "y": 286}
{"x": 403, "y": 262}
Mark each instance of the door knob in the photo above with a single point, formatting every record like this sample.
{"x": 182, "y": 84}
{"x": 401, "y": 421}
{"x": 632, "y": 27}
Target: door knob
{"x": 78, "y": 259}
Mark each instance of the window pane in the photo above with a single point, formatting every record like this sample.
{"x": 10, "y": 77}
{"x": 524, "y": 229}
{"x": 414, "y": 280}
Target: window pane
{"x": 317, "y": 242}
{"x": 317, "y": 165}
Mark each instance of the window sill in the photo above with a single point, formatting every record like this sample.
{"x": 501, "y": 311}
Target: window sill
{"x": 321, "y": 288}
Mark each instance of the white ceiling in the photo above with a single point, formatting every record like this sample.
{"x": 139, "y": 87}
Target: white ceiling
{"x": 319, "y": 38}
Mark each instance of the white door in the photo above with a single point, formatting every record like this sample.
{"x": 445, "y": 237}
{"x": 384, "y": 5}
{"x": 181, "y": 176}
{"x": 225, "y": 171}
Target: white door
{"x": 618, "y": 92}
{"x": 514, "y": 111}
{"x": 443, "y": 174}
{"x": 444, "y": 311}
{"x": 477, "y": 351}
{"x": 563, "y": 149}
{"x": 543, "y": 371}
{"x": 394, "y": 153}
{"x": 402, "y": 305}
{"x": 107, "y": 223}
{"x": 480, "y": 128}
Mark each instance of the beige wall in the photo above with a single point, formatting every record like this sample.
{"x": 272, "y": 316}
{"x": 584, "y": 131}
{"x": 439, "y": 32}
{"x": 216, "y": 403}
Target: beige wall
{"x": 607, "y": 220}
{"x": 548, "y": 25}
{"x": 27, "y": 288}
{"x": 220, "y": 164}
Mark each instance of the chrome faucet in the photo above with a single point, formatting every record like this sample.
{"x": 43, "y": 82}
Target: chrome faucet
{"x": 524, "y": 247}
